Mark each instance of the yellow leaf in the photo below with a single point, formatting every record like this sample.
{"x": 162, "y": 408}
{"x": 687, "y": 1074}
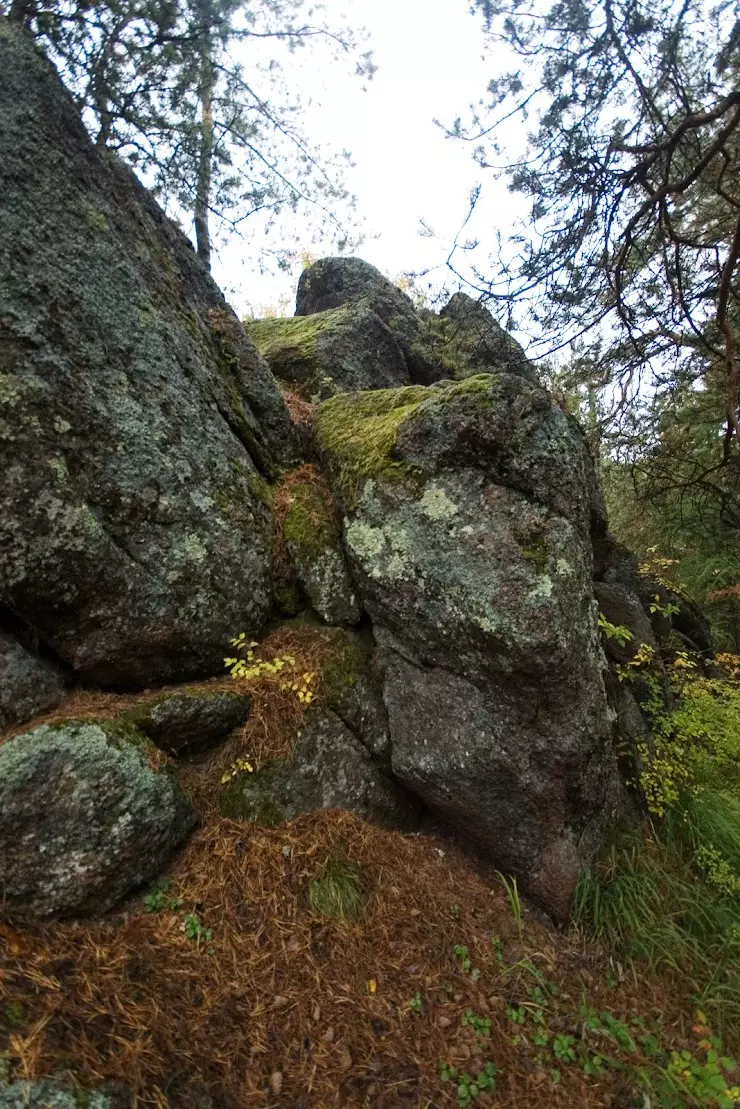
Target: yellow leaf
{"x": 372, "y": 986}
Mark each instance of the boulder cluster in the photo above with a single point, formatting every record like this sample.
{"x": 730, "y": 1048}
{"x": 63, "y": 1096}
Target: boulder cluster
{"x": 442, "y": 522}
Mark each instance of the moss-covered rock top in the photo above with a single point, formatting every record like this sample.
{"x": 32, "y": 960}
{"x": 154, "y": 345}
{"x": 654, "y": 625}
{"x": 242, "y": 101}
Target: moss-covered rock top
{"x": 292, "y": 339}
{"x": 357, "y": 432}
{"x": 340, "y": 350}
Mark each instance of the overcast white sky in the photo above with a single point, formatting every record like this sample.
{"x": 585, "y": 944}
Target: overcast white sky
{"x": 429, "y": 59}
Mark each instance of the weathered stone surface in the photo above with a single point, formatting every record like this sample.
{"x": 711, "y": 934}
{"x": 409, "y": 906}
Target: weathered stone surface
{"x": 137, "y": 420}
{"x": 84, "y": 817}
{"x": 46, "y": 1093}
{"x": 511, "y": 429}
{"x": 467, "y": 531}
{"x": 190, "y": 719}
{"x": 29, "y": 686}
{"x": 476, "y": 343}
{"x": 314, "y": 541}
{"x": 330, "y": 769}
{"x": 341, "y": 350}
{"x": 623, "y": 608}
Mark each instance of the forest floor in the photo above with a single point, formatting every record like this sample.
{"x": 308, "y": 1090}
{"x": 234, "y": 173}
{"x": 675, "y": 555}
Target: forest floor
{"x": 328, "y": 963}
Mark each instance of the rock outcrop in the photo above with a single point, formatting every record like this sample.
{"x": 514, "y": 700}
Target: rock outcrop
{"x": 137, "y": 421}
{"x": 442, "y": 516}
{"x": 337, "y": 351}
{"x": 189, "y": 720}
{"x": 329, "y": 769}
{"x": 467, "y": 524}
{"x": 85, "y": 817}
{"x": 355, "y": 330}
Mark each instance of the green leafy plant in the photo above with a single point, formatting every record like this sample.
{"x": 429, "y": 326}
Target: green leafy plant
{"x": 563, "y": 1048}
{"x": 480, "y": 1025}
{"x": 195, "y": 930}
{"x": 462, "y": 955}
{"x": 416, "y": 1005}
{"x": 618, "y": 632}
{"x": 469, "y": 1088}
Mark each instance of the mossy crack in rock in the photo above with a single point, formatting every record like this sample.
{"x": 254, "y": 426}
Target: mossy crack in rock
{"x": 85, "y": 817}
{"x": 314, "y": 540}
{"x": 137, "y": 420}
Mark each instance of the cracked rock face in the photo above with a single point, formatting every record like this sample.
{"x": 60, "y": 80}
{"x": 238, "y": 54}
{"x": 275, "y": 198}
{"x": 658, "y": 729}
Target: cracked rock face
{"x": 137, "y": 420}
{"x": 475, "y": 565}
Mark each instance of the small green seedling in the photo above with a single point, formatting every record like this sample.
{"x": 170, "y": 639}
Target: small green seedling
{"x": 469, "y": 1087}
{"x": 480, "y": 1025}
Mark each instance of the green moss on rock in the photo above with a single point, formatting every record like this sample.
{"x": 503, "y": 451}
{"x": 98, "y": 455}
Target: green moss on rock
{"x": 358, "y": 431}
{"x": 292, "y": 338}
{"x": 537, "y": 554}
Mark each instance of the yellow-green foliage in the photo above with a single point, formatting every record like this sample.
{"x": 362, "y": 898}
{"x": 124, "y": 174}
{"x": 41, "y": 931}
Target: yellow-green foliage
{"x": 358, "y": 430}
{"x": 252, "y": 668}
{"x": 618, "y": 632}
{"x": 691, "y": 764}
{"x": 696, "y": 745}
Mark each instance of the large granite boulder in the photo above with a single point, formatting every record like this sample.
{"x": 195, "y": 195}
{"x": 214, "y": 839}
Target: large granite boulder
{"x": 29, "y": 686}
{"x": 467, "y": 528}
{"x": 137, "y": 421}
{"x": 459, "y": 342}
{"x": 338, "y": 351}
{"x": 336, "y": 282}
{"x": 87, "y": 814}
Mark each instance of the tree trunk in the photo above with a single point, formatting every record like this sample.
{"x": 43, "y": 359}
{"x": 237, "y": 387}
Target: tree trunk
{"x": 205, "y": 148}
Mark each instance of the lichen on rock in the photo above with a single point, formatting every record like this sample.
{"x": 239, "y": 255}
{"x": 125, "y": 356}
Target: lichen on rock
{"x": 87, "y": 814}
